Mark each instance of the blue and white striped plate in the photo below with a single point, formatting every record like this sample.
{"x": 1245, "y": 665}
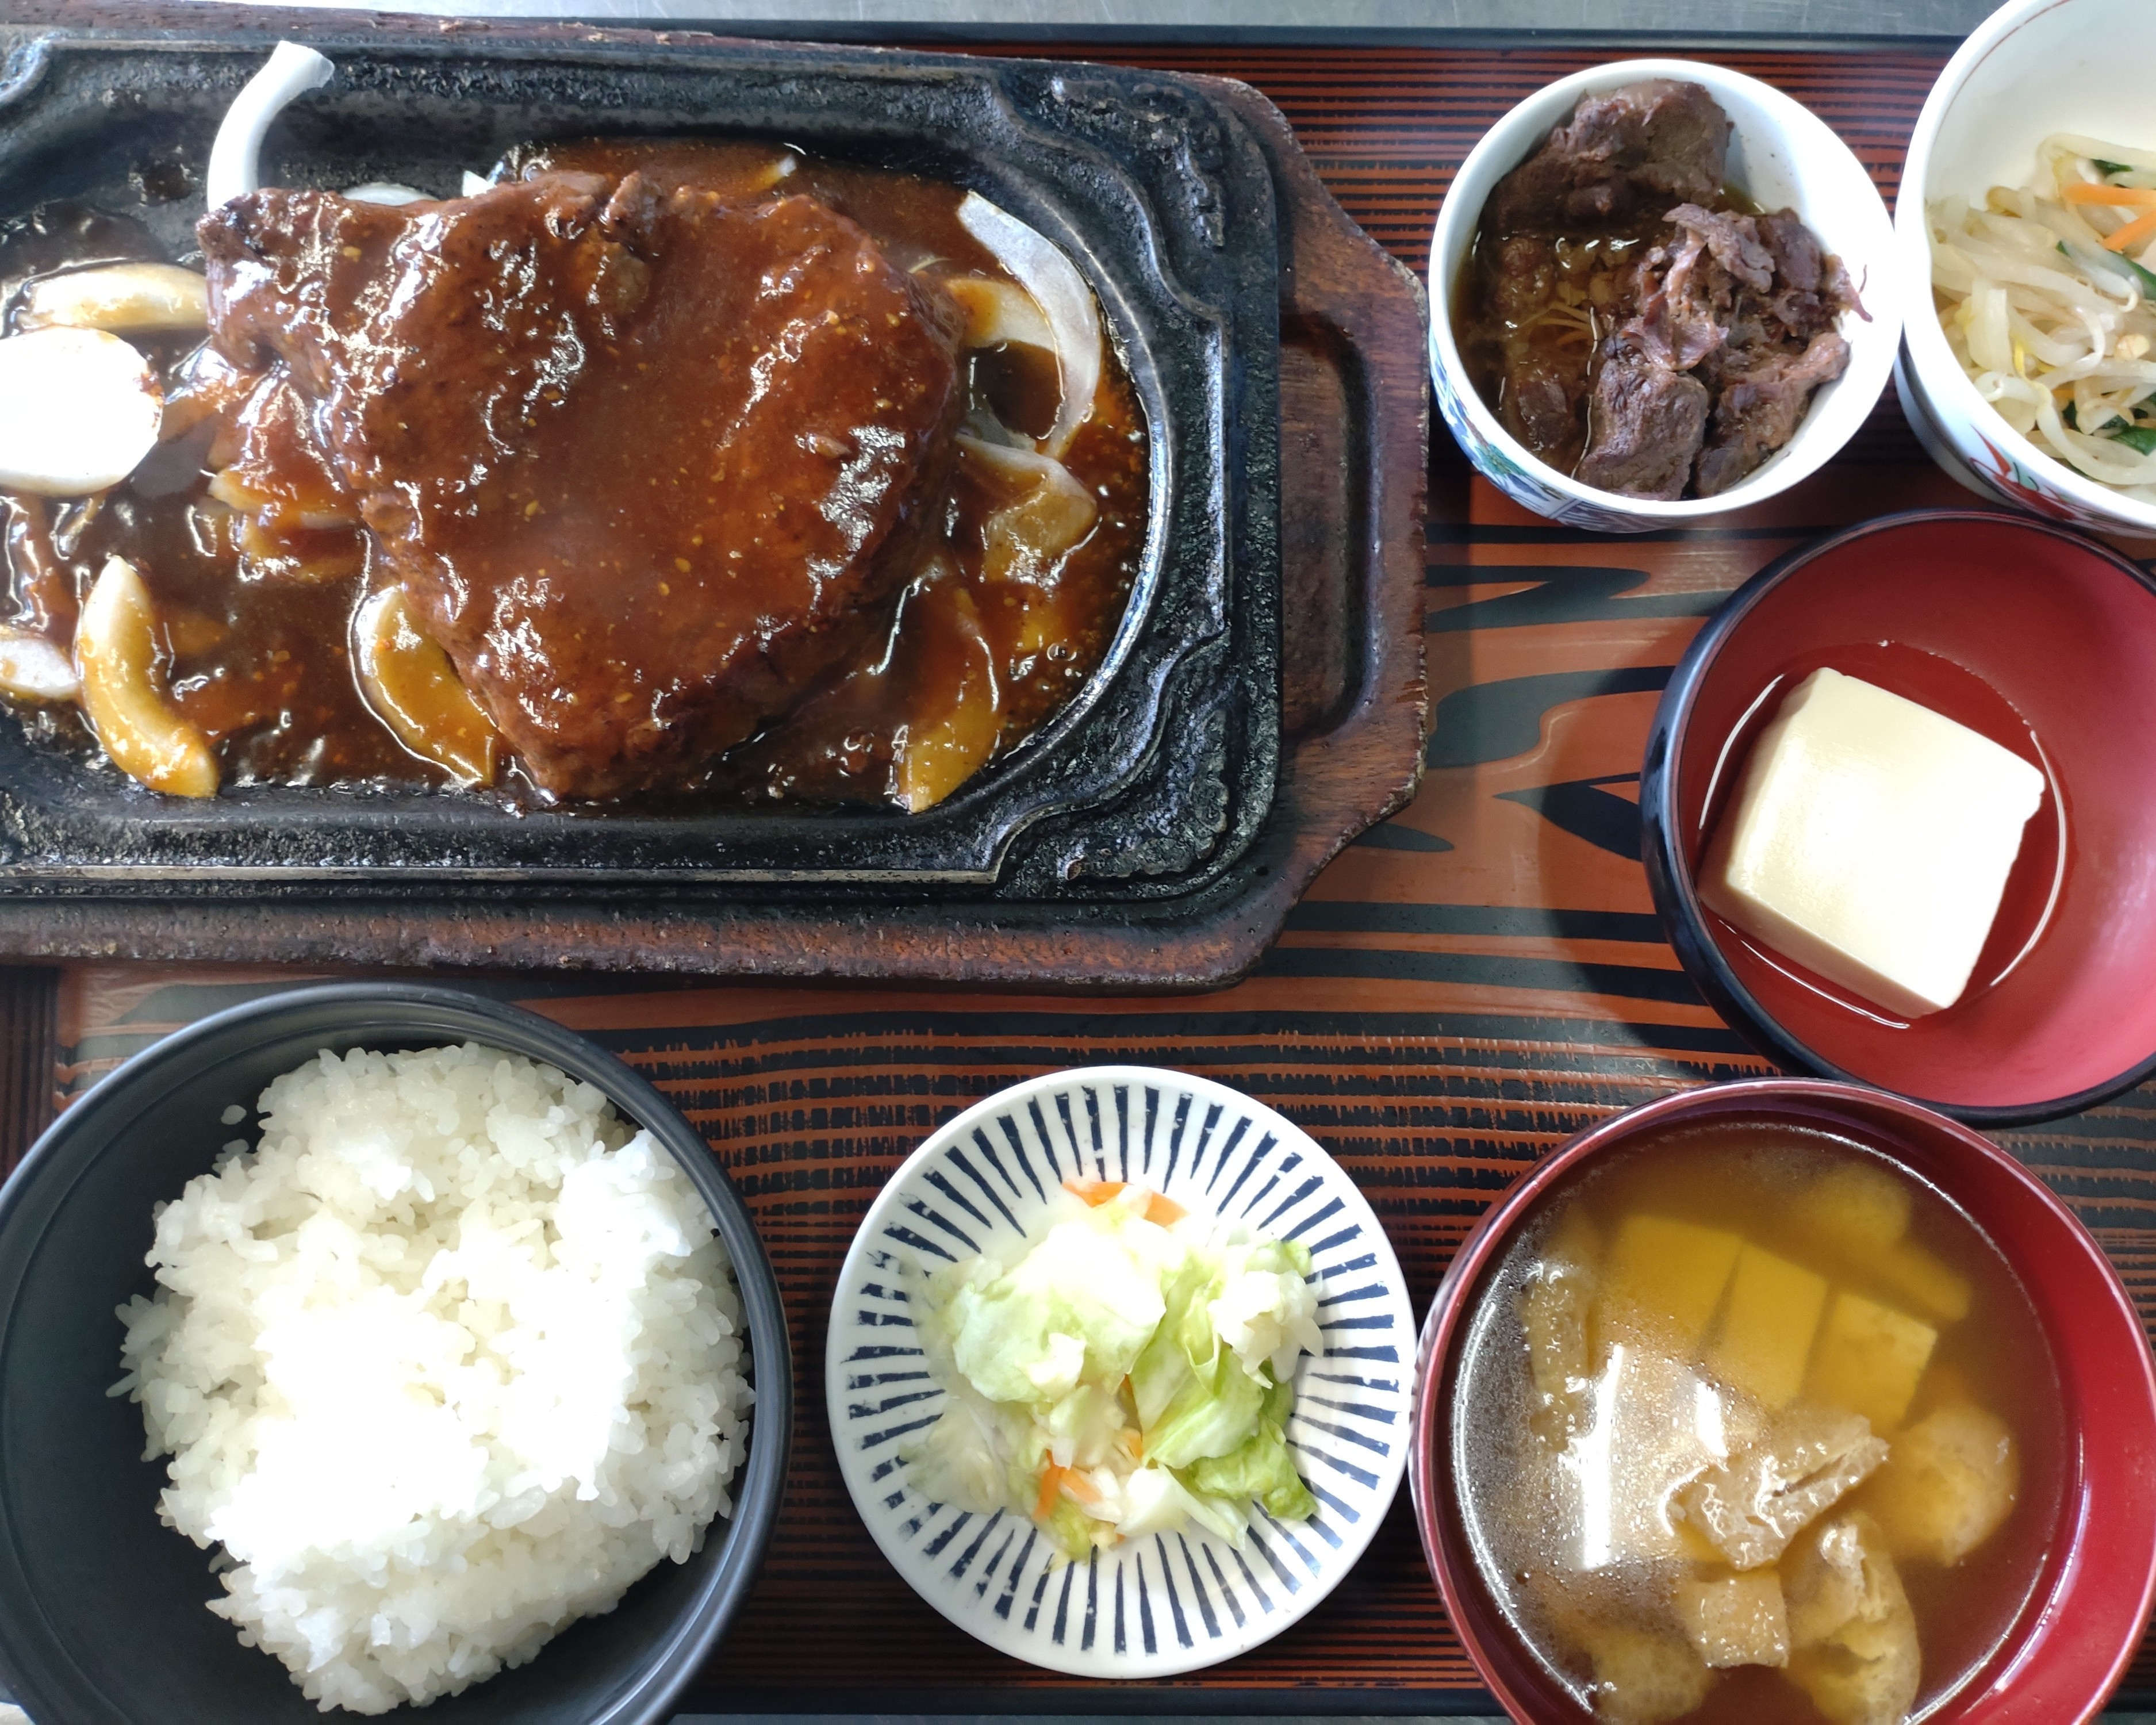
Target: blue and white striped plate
{"x": 1160, "y": 1604}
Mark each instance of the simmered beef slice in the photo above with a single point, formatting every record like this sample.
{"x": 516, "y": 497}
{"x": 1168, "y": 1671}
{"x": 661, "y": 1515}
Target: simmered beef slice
{"x": 648, "y": 463}
{"x": 1645, "y": 423}
{"x": 1541, "y": 401}
{"x": 1759, "y": 410}
{"x": 1649, "y": 144}
{"x": 1810, "y": 290}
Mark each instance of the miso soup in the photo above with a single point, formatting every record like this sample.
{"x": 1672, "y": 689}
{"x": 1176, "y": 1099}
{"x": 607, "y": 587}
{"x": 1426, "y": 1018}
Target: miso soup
{"x": 1751, "y": 1424}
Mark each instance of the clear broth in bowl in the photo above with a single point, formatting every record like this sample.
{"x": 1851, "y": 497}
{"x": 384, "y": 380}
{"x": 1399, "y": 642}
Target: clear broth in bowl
{"x": 1751, "y": 1424}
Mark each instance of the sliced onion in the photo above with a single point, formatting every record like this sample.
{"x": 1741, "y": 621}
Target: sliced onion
{"x": 1038, "y": 266}
{"x": 235, "y": 158}
{"x": 385, "y": 192}
{"x": 123, "y": 298}
{"x": 33, "y": 669}
{"x": 474, "y": 184}
{"x": 78, "y": 408}
{"x": 115, "y": 651}
{"x": 997, "y": 312}
{"x": 1047, "y": 514}
{"x": 408, "y": 682}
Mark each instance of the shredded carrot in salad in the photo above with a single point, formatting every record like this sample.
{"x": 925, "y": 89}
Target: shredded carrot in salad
{"x": 2046, "y": 294}
{"x": 1161, "y": 1211}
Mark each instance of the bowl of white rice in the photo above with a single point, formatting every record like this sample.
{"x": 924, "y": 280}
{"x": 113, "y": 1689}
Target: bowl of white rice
{"x": 378, "y": 1346}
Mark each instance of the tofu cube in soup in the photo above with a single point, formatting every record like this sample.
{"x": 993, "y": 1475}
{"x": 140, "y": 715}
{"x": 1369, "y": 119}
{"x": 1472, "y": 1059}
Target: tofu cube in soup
{"x": 1871, "y": 840}
{"x": 1869, "y": 1358}
{"x": 1767, "y": 1327}
{"x": 1665, "y": 1278}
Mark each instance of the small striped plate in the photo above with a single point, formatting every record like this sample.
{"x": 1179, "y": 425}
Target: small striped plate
{"x": 1159, "y": 1605}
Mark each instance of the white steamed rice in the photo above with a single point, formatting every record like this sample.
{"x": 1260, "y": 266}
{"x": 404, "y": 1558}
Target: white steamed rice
{"x": 449, "y": 1361}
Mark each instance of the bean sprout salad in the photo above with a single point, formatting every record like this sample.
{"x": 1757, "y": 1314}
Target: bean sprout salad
{"x": 2048, "y": 300}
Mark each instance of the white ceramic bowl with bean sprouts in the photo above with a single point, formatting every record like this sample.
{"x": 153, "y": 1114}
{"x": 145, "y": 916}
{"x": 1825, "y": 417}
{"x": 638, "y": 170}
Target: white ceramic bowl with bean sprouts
{"x": 2029, "y": 202}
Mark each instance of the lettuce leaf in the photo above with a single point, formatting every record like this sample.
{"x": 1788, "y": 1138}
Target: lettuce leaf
{"x": 1260, "y": 1469}
{"x": 1078, "y": 1308}
{"x": 1215, "y": 1413}
{"x": 1072, "y": 1531}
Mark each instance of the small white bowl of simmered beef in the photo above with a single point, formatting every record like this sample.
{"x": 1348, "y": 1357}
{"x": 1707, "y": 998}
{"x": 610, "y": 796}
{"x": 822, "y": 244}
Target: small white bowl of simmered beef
{"x": 1660, "y": 290}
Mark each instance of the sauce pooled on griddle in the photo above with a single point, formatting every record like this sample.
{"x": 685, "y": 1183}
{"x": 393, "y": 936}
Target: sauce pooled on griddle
{"x": 661, "y": 470}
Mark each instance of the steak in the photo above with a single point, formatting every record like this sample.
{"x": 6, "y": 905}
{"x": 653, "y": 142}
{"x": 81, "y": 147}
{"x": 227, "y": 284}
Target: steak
{"x": 1643, "y": 426}
{"x": 1638, "y": 149}
{"x": 1759, "y": 410}
{"x": 649, "y": 461}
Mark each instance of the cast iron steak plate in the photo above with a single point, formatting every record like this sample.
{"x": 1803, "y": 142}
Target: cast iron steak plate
{"x": 1156, "y": 776}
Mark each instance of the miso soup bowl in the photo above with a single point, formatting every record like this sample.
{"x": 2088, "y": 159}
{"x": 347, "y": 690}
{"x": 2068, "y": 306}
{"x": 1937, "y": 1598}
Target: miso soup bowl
{"x": 1782, "y": 156}
{"x": 2070, "y": 1643}
{"x": 2037, "y": 631}
{"x": 2033, "y": 68}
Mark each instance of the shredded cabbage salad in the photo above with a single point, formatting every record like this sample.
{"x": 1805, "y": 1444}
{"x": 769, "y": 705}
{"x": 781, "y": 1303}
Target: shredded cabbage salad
{"x": 1130, "y": 1372}
{"x": 2047, "y": 298}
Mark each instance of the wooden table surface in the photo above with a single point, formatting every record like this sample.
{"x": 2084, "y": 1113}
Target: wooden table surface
{"x": 1462, "y": 989}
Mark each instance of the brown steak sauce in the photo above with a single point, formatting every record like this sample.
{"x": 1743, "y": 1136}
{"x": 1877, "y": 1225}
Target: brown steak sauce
{"x": 255, "y": 626}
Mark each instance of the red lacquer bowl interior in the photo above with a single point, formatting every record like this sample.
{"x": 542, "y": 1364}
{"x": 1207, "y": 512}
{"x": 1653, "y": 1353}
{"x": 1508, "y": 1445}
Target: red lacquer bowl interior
{"x": 2069, "y": 1646}
{"x": 2045, "y": 642}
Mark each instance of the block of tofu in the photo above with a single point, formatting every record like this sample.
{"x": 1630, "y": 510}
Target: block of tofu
{"x": 1764, "y": 1340}
{"x": 1871, "y": 840}
{"x": 1952, "y": 1479}
{"x": 1855, "y": 1206}
{"x": 1869, "y": 1359}
{"x": 1939, "y": 1292}
{"x": 1752, "y": 1505}
{"x": 1663, "y": 1279}
{"x": 1734, "y": 1619}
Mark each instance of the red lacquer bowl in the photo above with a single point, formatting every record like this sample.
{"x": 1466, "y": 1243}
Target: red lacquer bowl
{"x": 2068, "y": 1649}
{"x": 2043, "y": 640}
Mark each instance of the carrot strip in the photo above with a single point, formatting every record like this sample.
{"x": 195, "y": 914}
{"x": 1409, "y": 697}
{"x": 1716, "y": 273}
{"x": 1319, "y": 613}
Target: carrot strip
{"x": 2127, "y": 197}
{"x": 1054, "y": 1482}
{"x": 1163, "y": 1211}
{"x": 1094, "y": 1192}
{"x": 2133, "y": 232}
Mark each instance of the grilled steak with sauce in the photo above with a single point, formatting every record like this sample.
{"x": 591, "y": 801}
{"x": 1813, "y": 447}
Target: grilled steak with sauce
{"x": 648, "y": 463}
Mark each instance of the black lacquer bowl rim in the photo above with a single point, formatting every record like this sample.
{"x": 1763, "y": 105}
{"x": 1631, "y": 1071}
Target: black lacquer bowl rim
{"x": 1665, "y": 853}
{"x": 417, "y": 1015}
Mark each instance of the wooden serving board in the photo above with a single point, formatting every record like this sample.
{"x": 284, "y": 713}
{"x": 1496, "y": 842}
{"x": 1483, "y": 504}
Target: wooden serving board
{"x": 1460, "y": 991}
{"x": 1353, "y": 430}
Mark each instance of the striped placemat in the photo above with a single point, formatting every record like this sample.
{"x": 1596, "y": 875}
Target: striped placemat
{"x": 1462, "y": 989}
